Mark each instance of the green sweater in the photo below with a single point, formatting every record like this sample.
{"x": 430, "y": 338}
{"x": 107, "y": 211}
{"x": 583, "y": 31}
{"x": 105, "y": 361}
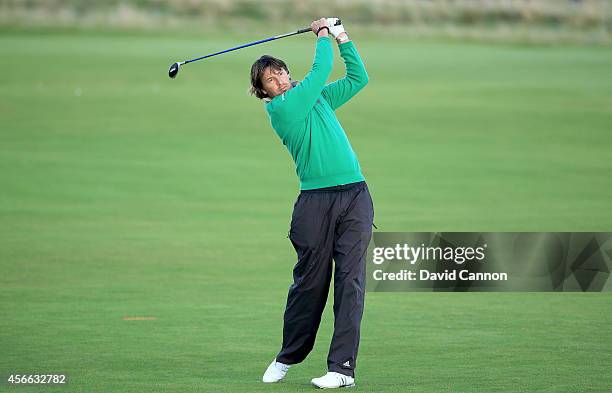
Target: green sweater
{"x": 304, "y": 119}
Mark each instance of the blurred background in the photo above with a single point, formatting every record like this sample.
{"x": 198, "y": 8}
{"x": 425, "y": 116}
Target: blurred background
{"x": 529, "y": 20}
{"x": 144, "y": 219}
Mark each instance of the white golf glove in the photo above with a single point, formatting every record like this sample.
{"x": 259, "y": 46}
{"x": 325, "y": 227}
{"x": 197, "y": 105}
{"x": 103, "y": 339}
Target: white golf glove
{"x": 335, "y": 30}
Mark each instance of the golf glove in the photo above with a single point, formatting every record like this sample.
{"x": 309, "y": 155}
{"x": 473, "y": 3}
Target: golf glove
{"x": 335, "y": 30}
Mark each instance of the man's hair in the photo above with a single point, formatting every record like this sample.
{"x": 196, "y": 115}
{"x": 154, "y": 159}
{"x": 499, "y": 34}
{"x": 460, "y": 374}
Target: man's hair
{"x": 257, "y": 70}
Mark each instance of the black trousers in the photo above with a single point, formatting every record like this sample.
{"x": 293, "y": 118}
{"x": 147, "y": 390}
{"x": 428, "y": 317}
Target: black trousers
{"x": 328, "y": 223}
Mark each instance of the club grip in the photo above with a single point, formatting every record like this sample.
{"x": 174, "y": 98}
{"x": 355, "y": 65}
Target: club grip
{"x": 307, "y": 29}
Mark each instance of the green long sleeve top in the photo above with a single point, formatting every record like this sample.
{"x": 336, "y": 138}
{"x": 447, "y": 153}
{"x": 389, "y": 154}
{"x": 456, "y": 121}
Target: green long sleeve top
{"x": 304, "y": 119}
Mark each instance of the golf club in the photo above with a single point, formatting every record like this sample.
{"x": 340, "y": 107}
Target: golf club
{"x": 174, "y": 68}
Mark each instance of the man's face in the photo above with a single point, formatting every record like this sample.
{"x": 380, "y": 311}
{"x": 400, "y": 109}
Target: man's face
{"x": 275, "y": 81}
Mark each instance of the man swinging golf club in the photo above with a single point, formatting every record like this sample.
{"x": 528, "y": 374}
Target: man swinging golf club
{"x": 333, "y": 215}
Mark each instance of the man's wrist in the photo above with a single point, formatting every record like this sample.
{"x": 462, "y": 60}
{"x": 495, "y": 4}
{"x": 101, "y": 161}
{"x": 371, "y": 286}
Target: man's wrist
{"x": 323, "y": 32}
{"x": 342, "y": 38}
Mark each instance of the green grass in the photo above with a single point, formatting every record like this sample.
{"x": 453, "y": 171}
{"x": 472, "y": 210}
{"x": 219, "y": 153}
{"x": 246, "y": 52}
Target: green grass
{"x": 125, "y": 193}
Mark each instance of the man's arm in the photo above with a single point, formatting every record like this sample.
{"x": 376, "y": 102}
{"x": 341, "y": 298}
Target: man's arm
{"x": 298, "y": 101}
{"x": 342, "y": 90}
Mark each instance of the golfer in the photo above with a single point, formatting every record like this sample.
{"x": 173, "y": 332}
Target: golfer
{"x": 333, "y": 215}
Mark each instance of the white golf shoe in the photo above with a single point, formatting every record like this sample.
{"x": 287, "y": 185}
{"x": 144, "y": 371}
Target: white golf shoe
{"x": 333, "y": 380}
{"x": 275, "y": 372}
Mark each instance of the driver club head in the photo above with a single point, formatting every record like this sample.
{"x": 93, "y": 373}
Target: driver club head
{"x": 174, "y": 69}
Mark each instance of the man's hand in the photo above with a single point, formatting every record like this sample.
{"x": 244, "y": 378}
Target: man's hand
{"x": 337, "y": 31}
{"x": 320, "y": 27}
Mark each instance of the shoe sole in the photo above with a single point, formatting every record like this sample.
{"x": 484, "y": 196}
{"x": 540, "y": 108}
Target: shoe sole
{"x": 352, "y": 385}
